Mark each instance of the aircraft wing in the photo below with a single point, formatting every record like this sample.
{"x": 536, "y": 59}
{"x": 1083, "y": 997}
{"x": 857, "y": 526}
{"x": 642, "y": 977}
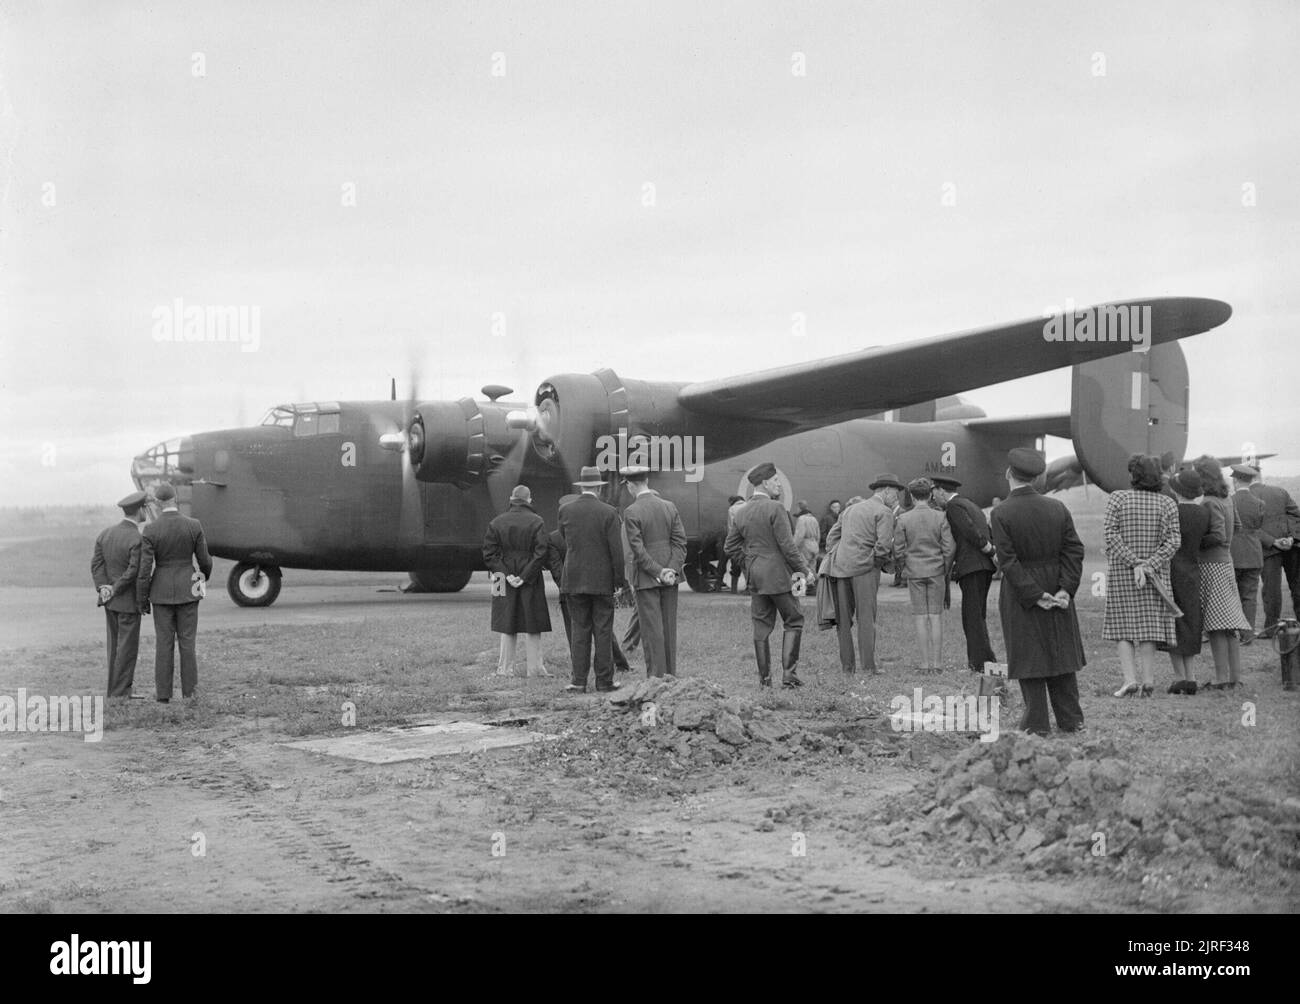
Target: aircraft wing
{"x": 838, "y": 388}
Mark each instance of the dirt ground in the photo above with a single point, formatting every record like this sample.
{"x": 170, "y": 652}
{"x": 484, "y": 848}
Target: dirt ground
{"x": 203, "y": 807}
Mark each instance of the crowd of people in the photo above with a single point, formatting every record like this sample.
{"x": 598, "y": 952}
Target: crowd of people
{"x": 1185, "y": 559}
{"x": 1186, "y": 556}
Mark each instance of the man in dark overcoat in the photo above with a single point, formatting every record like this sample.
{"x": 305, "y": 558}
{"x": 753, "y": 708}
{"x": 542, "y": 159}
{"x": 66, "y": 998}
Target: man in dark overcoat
{"x": 593, "y": 573}
{"x": 516, "y": 548}
{"x": 972, "y": 568}
{"x": 1041, "y": 558}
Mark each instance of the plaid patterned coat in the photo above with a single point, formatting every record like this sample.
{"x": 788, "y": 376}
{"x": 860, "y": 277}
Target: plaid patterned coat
{"x": 1141, "y": 528}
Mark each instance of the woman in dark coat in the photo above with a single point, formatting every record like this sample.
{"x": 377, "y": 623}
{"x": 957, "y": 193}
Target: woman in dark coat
{"x": 1185, "y": 577}
{"x": 515, "y": 549}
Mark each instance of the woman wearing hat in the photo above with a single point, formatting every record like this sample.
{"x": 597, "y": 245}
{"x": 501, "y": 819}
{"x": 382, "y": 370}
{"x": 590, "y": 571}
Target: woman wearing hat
{"x": 1220, "y": 598}
{"x": 1141, "y": 534}
{"x": 516, "y": 549}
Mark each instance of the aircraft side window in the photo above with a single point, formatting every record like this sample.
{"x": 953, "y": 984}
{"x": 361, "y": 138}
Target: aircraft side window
{"x": 305, "y": 425}
{"x": 328, "y": 425}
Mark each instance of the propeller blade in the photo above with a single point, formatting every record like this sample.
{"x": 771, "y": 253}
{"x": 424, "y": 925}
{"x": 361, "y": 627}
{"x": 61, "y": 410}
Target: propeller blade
{"x": 411, "y": 518}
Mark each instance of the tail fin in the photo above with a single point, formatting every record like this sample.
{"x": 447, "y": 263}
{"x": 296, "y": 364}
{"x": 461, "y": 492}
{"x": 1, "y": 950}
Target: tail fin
{"x": 1136, "y": 402}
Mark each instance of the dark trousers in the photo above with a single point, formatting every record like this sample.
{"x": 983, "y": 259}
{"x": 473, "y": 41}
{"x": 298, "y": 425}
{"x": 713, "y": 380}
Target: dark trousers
{"x": 974, "y": 605}
{"x": 620, "y": 660}
{"x": 1063, "y": 693}
{"x": 1274, "y": 566}
{"x": 855, "y": 599}
{"x": 1248, "y": 590}
{"x": 592, "y": 617}
{"x": 176, "y": 625}
{"x": 123, "y": 647}
{"x": 763, "y": 610}
{"x": 656, "y": 609}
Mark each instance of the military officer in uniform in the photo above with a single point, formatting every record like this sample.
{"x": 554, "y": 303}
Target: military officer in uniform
{"x": 115, "y": 567}
{"x": 171, "y": 547}
{"x": 761, "y": 537}
{"x": 1041, "y": 558}
{"x": 972, "y": 568}
{"x": 656, "y": 543}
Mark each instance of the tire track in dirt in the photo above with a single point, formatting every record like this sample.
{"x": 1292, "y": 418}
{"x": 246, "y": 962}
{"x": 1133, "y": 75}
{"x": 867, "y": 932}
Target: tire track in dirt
{"x": 297, "y": 833}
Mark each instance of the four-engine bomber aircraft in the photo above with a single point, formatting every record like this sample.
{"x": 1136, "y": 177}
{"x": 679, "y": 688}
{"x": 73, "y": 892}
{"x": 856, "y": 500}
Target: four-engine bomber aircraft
{"x": 410, "y": 486}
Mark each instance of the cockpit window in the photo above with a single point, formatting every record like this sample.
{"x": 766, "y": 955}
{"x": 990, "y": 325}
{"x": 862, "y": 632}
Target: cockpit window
{"x": 281, "y": 416}
{"x": 306, "y": 419}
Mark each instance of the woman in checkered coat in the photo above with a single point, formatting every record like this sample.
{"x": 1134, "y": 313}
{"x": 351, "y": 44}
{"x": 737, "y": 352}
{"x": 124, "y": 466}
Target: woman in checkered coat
{"x": 1220, "y": 600}
{"x": 1141, "y": 533}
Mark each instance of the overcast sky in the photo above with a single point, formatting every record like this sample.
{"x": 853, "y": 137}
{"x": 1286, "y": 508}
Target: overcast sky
{"x": 499, "y": 156}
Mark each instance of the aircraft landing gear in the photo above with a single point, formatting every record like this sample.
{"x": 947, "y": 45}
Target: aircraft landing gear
{"x": 253, "y": 585}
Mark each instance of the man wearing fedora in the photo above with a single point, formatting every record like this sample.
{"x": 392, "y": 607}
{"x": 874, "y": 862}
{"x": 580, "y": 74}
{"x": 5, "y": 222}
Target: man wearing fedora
{"x": 171, "y": 547}
{"x": 656, "y": 543}
{"x": 761, "y": 536}
{"x": 858, "y": 547}
{"x": 1041, "y": 558}
{"x": 114, "y": 568}
{"x": 593, "y": 573}
{"x": 972, "y": 568}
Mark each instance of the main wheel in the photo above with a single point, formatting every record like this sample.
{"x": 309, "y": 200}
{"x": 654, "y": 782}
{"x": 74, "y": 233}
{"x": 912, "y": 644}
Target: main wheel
{"x": 440, "y": 580}
{"x": 695, "y": 577}
{"x": 253, "y": 585}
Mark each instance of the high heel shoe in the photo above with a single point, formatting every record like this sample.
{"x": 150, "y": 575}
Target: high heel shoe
{"x": 1128, "y": 690}
{"x": 1147, "y": 690}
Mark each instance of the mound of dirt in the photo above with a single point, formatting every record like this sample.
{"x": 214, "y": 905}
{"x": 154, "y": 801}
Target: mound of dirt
{"x": 675, "y": 728}
{"x": 1059, "y": 808}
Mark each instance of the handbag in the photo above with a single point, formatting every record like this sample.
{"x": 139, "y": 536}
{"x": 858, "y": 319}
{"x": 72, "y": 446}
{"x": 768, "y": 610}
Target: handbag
{"x": 825, "y": 602}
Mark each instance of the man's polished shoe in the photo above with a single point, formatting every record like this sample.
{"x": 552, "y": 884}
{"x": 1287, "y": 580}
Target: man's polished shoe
{"x": 573, "y": 688}
{"x": 612, "y": 687}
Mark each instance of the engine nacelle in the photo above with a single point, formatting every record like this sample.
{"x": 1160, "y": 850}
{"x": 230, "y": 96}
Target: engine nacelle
{"x": 575, "y": 416}
{"x": 457, "y": 442}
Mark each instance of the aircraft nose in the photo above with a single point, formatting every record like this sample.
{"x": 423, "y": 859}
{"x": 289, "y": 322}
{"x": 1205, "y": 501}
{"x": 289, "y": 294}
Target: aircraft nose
{"x": 171, "y": 461}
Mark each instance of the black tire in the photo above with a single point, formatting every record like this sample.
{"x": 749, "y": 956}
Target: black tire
{"x": 253, "y": 585}
{"x": 695, "y": 577}
{"x": 440, "y": 580}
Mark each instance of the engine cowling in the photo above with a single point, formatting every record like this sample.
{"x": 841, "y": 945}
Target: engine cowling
{"x": 457, "y": 442}
{"x": 574, "y": 416}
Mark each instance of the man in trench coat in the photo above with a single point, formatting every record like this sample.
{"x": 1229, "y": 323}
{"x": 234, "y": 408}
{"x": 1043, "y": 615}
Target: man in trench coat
{"x": 1041, "y": 558}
